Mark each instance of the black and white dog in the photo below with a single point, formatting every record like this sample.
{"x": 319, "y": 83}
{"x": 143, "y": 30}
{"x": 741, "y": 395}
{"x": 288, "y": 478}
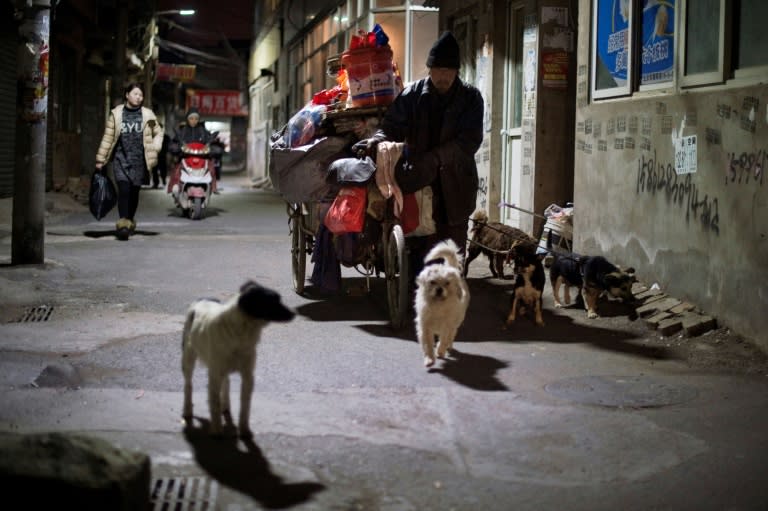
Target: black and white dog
{"x": 224, "y": 337}
{"x": 565, "y": 271}
{"x": 601, "y": 276}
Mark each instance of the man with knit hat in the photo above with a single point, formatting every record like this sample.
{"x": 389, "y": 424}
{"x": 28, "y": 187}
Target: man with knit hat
{"x": 193, "y": 130}
{"x": 440, "y": 120}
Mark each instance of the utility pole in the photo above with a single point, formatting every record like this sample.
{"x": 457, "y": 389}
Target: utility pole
{"x": 118, "y": 64}
{"x": 149, "y": 61}
{"x": 28, "y": 217}
{"x": 152, "y": 54}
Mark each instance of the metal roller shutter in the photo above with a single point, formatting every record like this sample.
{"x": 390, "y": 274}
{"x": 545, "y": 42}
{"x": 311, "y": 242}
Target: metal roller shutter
{"x": 8, "y": 49}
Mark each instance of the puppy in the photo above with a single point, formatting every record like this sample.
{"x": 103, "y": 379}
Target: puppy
{"x": 603, "y": 277}
{"x": 564, "y": 270}
{"x": 496, "y": 241}
{"x": 442, "y": 298}
{"x": 224, "y": 337}
{"x": 528, "y": 288}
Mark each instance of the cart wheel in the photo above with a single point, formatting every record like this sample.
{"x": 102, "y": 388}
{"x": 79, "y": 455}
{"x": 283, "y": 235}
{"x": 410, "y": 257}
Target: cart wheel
{"x": 298, "y": 250}
{"x": 396, "y": 271}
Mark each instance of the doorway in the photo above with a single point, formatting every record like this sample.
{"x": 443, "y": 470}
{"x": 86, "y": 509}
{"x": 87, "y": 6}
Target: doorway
{"x": 511, "y": 132}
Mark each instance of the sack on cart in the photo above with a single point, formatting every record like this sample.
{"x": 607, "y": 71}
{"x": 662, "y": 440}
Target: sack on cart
{"x": 299, "y": 173}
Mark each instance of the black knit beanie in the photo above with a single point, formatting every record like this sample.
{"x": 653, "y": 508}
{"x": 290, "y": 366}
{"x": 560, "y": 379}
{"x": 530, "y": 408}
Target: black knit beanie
{"x": 191, "y": 111}
{"x": 445, "y": 52}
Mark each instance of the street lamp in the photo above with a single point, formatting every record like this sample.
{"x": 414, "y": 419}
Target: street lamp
{"x": 181, "y": 12}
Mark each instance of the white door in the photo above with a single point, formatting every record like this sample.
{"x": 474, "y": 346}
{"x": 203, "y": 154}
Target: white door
{"x": 511, "y": 132}
{"x": 260, "y": 116}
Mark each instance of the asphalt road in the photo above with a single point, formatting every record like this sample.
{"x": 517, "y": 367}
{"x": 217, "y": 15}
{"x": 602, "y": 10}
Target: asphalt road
{"x": 576, "y": 415}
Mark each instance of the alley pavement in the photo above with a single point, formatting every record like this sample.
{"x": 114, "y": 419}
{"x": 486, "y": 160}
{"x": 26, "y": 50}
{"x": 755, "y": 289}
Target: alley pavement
{"x": 579, "y": 414}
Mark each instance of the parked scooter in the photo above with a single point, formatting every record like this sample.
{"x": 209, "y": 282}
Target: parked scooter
{"x": 193, "y": 180}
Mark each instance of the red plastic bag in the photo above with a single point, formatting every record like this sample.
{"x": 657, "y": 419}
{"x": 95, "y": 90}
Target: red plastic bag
{"x": 347, "y": 213}
{"x": 409, "y": 217}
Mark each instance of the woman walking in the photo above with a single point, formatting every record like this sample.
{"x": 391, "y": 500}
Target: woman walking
{"x": 132, "y": 140}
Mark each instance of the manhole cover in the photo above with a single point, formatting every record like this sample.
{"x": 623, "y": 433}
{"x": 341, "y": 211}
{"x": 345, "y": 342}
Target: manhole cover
{"x": 621, "y": 391}
{"x": 183, "y": 494}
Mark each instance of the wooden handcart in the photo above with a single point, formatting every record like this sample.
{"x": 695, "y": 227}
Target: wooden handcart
{"x": 386, "y": 254}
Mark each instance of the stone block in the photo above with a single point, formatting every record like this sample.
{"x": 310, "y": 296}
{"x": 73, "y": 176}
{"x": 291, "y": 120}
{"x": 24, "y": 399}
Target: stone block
{"x": 653, "y": 321}
{"x": 697, "y": 324}
{"x": 670, "y": 326}
{"x": 56, "y": 470}
{"x": 650, "y": 292}
{"x": 683, "y": 307}
{"x": 657, "y": 306}
{"x": 650, "y": 299}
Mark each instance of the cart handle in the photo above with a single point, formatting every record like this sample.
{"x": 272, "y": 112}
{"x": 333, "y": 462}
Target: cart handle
{"x": 507, "y": 204}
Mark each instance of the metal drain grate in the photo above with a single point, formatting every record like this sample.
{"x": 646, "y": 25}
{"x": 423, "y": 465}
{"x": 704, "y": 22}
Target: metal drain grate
{"x": 37, "y": 314}
{"x": 183, "y": 494}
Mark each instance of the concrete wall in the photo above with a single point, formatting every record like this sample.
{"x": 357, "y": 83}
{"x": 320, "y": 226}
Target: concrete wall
{"x": 702, "y": 236}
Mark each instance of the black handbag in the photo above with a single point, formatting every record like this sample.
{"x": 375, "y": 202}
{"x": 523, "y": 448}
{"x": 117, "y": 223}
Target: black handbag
{"x": 102, "y": 196}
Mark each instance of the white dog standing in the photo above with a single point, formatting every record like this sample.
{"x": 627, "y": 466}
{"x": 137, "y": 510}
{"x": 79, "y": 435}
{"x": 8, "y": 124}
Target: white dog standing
{"x": 442, "y": 298}
{"x": 224, "y": 336}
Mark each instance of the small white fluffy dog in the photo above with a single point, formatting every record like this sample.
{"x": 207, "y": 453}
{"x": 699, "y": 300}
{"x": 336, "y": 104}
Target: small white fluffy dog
{"x": 224, "y": 337}
{"x": 442, "y": 298}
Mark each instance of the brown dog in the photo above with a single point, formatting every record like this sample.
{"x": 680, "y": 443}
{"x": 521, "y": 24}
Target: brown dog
{"x": 528, "y": 288}
{"x": 498, "y": 242}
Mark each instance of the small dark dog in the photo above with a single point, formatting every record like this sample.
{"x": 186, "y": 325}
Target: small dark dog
{"x": 565, "y": 270}
{"x": 601, "y": 276}
{"x": 496, "y": 241}
{"x": 224, "y": 337}
{"x": 528, "y": 288}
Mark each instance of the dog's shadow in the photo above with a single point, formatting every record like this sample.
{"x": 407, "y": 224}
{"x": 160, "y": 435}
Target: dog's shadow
{"x": 246, "y": 471}
{"x": 478, "y": 372}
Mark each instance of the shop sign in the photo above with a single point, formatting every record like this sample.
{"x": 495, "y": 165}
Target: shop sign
{"x": 217, "y": 102}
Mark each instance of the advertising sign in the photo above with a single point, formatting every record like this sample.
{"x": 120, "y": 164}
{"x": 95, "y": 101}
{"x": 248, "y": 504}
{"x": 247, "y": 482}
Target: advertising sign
{"x": 174, "y": 72}
{"x": 657, "y": 59}
{"x": 554, "y": 69}
{"x": 612, "y": 47}
{"x": 686, "y": 155}
{"x": 225, "y": 103}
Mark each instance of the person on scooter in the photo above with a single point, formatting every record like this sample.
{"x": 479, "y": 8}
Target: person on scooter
{"x": 132, "y": 140}
{"x": 193, "y": 130}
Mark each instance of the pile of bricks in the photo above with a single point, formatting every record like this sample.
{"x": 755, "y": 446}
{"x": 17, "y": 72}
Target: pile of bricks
{"x": 669, "y": 315}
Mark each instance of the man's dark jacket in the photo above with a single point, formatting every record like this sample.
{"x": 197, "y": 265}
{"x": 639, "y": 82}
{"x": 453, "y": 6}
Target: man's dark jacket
{"x": 449, "y": 157}
{"x": 189, "y": 134}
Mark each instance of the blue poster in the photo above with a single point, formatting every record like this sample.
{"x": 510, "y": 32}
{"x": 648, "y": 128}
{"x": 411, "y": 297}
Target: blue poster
{"x": 657, "y": 60}
{"x": 612, "y": 42}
